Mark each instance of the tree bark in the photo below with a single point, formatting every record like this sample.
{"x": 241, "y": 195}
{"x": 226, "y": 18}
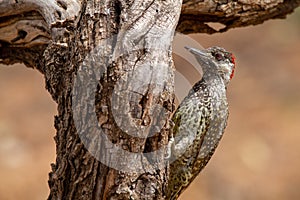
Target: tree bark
{"x": 196, "y": 15}
{"x": 103, "y": 61}
{"x": 108, "y": 66}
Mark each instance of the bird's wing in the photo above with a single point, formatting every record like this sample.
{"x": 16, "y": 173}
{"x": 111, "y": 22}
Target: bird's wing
{"x": 191, "y": 121}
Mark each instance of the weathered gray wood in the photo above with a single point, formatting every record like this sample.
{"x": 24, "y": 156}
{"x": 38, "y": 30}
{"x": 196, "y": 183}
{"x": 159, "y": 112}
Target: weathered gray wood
{"x": 197, "y": 14}
{"x": 129, "y": 44}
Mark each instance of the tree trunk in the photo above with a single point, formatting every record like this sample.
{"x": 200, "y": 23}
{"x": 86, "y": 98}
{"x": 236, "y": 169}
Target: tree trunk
{"x": 110, "y": 71}
{"x": 108, "y": 66}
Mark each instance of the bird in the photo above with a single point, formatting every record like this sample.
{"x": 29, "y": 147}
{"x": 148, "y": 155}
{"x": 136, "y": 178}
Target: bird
{"x": 200, "y": 119}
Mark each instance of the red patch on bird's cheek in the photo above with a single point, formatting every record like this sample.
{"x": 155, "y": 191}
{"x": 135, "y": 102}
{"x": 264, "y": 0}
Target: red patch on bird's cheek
{"x": 233, "y": 61}
{"x": 232, "y": 73}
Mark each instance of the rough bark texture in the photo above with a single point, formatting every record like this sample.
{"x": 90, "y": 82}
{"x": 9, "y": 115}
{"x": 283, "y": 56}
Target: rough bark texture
{"x": 126, "y": 47}
{"x": 196, "y": 15}
{"x": 62, "y": 40}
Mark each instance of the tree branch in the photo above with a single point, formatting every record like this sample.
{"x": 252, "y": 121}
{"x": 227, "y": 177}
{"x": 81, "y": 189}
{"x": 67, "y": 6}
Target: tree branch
{"x": 27, "y": 23}
{"x": 28, "y": 26}
{"x": 197, "y": 14}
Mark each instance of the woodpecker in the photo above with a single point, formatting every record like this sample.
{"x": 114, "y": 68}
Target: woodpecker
{"x": 200, "y": 120}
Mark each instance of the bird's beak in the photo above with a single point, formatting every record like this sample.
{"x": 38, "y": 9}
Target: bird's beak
{"x": 197, "y": 52}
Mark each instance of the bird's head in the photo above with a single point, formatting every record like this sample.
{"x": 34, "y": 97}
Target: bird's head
{"x": 215, "y": 60}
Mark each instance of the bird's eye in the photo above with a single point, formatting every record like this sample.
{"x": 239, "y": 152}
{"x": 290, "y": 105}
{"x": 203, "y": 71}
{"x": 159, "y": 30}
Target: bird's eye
{"x": 219, "y": 56}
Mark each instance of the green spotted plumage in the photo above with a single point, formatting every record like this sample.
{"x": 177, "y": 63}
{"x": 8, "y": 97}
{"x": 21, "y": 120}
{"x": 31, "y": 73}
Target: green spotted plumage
{"x": 200, "y": 120}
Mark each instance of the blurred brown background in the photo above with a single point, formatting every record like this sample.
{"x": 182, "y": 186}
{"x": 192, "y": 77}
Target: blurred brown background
{"x": 258, "y": 158}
